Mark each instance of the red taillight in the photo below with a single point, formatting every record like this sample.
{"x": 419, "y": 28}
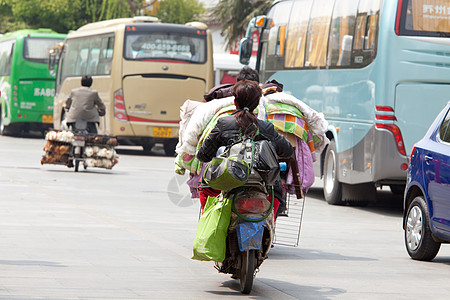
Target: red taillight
{"x": 386, "y": 113}
{"x": 120, "y": 113}
{"x": 399, "y": 14}
{"x": 384, "y": 108}
{"x": 397, "y": 134}
{"x": 119, "y": 106}
{"x": 385, "y": 117}
{"x": 252, "y": 205}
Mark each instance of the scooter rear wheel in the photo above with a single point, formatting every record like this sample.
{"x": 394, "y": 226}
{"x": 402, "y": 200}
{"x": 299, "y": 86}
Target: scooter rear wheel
{"x": 247, "y": 271}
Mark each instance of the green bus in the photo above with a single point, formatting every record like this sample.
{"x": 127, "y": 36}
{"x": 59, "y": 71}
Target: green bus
{"x": 27, "y": 88}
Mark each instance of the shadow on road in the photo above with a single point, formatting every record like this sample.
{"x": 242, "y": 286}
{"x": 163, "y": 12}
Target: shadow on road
{"x": 157, "y": 150}
{"x": 441, "y": 260}
{"x": 294, "y": 253}
{"x": 287, "y": 288}
{"x": 31, "y": 263}
{"x": 387, "y": 203}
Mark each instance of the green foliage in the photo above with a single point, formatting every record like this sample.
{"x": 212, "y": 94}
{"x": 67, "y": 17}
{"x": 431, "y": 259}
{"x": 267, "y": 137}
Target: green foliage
{"x": 59, "y": 15}
{"x": 180, "y": 11}
{"x": 236, "y": 14}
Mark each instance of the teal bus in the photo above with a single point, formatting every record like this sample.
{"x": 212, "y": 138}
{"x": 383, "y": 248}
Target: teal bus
{"x": 27, "y": 87}
{"x": 378, "y": 70}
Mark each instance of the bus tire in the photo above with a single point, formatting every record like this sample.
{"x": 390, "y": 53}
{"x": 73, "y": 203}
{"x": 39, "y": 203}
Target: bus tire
{"x": 169, "y": 147}
{"x": 7, "y": 130}
{"x": 147, "y": 147}
{"x": 332, "y": 188}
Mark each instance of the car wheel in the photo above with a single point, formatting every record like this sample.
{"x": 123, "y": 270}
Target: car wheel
{"x": 418, "y": 239}
{"x": 332, "y": 188}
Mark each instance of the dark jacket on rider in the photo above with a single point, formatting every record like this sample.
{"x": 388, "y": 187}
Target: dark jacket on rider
{"x": 226, "y": 132}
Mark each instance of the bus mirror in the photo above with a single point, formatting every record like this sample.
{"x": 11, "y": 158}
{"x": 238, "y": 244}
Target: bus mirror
{"x": 52, "y": 60}
{"x": 245, "y": 50}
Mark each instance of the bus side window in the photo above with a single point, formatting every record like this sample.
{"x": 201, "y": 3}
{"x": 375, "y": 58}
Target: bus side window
{"x": 94, "y": 55}
{"x": 81, "y": 64}
{"x": 360, "y": 32}
{"x": 341, "y": 35}
{"x": 275, "y": 33}
{"x": 318, "y": 30}
{"x": 6, "y": 51}
{"x": 106, "y": 55}
{"x": 296, "y": 36}
{"x": 366, "y": 32}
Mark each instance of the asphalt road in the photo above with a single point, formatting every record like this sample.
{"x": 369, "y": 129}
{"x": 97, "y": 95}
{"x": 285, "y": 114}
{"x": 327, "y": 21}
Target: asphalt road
{"x": 127, "y": 233}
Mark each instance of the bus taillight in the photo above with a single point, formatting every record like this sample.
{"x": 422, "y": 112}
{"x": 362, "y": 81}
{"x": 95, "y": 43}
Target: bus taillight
{"x": 387, "y": 113}
{"x": 397, "y": 134}
{"x": 120, "y": 113}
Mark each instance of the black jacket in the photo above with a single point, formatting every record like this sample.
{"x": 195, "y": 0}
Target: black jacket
{"x": 226, "y": 133}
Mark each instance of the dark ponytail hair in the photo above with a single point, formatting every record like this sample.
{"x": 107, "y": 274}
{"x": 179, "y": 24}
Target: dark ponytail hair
{"x": 246, "y": 95}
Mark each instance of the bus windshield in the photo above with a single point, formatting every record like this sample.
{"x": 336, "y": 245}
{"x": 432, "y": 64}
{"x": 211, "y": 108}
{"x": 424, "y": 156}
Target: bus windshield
{"x": 175, "y": 46}
{"x": 37, "y": 49}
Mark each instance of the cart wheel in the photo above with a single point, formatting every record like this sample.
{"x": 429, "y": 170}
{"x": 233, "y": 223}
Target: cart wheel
{"x": 77, "y": 165}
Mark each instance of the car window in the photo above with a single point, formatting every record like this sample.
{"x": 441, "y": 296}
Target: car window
{"x": 444, "y": 131}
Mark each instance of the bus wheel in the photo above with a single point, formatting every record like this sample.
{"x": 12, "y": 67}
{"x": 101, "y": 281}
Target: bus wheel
{"x": 147, "y": 147}
{"x": 6, "y": 130}
{"x": 332, "y": 188}
{"x": 169, "y": 147}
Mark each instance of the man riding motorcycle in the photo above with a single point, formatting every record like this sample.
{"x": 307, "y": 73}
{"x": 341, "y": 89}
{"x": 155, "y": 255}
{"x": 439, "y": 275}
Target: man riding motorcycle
{"x": 84, "y": 103}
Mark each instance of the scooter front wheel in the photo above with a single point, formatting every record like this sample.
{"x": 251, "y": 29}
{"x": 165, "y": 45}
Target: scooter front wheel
{"x": 247, "y": 271}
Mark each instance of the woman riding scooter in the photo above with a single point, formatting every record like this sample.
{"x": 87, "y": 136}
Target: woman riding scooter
{"x": 230, "y": 128}
{"x": 84, "y": 103}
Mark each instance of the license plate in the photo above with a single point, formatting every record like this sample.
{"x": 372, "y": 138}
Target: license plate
{"x": 79, "y": 143}
{"x": 47, "y": 118}
{"x": 162, "y": 132}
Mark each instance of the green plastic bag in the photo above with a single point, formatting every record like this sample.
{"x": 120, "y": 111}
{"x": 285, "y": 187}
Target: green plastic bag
{"x": 226, "y": 173}
{"x": 210, "y": 239}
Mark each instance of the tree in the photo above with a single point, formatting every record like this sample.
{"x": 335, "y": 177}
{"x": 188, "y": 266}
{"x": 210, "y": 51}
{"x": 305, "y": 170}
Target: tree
{"x": 61, "y": 15}
{"x": 180, "y": 11}
{"x": 57, "y": 14}
{"x": 7, "y": 21}
{"x": 236, "y": 14}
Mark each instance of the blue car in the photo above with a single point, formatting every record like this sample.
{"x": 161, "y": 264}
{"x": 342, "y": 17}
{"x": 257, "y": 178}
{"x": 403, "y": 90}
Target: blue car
{"x": 426, "y": 218}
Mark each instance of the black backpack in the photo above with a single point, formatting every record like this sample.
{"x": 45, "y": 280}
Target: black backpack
{"x": 265, "y": 162}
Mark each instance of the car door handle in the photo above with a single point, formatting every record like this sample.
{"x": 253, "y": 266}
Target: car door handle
{"x": 428, "y": 158}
